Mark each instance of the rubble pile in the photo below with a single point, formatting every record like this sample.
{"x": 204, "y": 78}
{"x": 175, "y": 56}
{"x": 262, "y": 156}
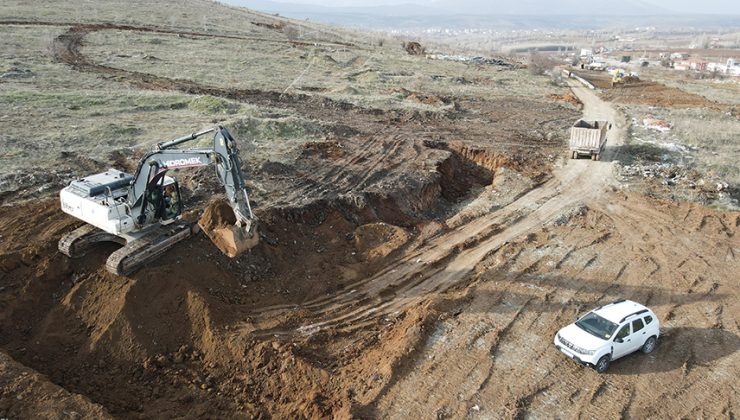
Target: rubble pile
{"x": 472, "y": 59}
{"x": 653, "y": 123}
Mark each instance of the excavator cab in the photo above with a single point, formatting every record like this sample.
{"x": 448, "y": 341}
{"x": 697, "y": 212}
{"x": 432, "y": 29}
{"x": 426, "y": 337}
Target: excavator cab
{"x": 165, "y": 199}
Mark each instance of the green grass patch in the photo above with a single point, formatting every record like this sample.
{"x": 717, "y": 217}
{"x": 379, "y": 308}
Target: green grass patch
{"x": 213, "y": 105}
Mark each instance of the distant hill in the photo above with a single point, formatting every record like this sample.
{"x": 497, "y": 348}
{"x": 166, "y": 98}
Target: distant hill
{"x": 559, "y": 7}
{"x": 523, "y": 14}
{"x": 466, "y": 7}
{"x": 310, "y": 9}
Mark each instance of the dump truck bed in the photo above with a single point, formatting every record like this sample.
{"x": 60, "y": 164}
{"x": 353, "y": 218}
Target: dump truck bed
{"x": 588, "y": 137}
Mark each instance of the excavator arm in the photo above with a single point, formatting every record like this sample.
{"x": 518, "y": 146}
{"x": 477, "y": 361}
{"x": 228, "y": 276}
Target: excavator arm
{"x": 224, "y": 155}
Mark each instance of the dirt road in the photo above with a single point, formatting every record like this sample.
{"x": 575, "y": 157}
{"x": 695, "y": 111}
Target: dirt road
{"x": 495, "y": 358}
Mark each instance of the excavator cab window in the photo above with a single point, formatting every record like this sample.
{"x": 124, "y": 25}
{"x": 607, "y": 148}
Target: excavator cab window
{"x": 172, "y": 202}
{"x": 165, "y": 200}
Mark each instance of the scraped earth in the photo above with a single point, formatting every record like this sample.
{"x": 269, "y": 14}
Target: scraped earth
{"x": 646, "y": 92}
{"x": 418, "y": 267}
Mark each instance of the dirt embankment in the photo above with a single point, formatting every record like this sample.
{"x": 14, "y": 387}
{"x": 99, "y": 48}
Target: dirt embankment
{"x": 645, "y": 92}
{"x": 27, "y": 394}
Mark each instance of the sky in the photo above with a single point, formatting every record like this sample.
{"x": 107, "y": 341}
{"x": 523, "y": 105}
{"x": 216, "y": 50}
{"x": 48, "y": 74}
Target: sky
{"x": 681, "y": 6}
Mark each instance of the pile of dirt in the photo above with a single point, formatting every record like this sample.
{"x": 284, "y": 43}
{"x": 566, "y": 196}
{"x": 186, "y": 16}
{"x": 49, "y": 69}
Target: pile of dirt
{"x": 644, "y": 92}
{"x": 330, "y": 149}
{"x": 568, "y": 97}
{"x": 218, "y": 222}
{"x": 421, "y": 98}
{"x": 413, "y": 48}
{"x": 656, "y": 123}
{"x": 377, "y": 240}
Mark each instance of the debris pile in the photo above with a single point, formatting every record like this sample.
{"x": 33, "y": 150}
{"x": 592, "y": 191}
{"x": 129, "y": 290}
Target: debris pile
{"x": 679, "y": 176}
{"x": 17, "y": 73}
{"x": 472, "y": 59}
{"x": 650, "y": 122}
{"x": 413, "y": 48}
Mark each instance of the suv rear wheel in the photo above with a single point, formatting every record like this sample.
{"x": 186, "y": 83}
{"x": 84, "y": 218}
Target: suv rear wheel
{"x": 649, "y": 345}
{"x": 603, "y": 364}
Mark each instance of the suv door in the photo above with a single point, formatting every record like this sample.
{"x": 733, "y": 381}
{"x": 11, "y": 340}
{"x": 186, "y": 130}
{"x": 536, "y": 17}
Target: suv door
{"x": 622, "y": 342}
{"x": 639, "y": 333}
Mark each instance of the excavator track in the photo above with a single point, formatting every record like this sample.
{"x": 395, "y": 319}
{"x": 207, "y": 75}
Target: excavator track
{"x": 80, "y": 241}
{"x": 138, "y": 252}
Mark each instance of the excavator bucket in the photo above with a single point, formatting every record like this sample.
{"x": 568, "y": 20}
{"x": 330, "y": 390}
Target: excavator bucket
{"x": 219, "y": 223}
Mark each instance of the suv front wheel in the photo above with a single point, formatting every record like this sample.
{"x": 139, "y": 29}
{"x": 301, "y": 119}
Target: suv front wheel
{"x": 603, "y": 364}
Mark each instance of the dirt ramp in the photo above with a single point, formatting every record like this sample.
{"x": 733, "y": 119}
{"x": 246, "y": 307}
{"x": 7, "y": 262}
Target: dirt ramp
{"x": 219, "y": 224}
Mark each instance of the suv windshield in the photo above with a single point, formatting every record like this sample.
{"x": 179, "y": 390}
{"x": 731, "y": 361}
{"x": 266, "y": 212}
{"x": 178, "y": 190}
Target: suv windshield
{"x": 597, "y": 326}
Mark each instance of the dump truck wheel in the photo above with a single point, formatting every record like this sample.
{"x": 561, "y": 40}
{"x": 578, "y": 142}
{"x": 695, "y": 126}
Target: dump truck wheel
{"x": 593, "y": 157}
{"x": 597, "y": 156}
{"x": 575, "y": 155}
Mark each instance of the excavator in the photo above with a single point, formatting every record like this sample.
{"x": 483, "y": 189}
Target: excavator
{"x": 143, "y": 211}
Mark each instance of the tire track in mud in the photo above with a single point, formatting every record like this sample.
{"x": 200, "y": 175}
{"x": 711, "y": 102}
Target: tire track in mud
{"x": 66, "y": 49}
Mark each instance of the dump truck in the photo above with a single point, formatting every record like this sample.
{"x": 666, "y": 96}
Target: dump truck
{"x": 588, "y": 138}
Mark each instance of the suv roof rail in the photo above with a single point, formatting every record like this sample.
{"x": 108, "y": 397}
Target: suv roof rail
{"x": 610, "y": 303}
{"x": 642, "y": 311}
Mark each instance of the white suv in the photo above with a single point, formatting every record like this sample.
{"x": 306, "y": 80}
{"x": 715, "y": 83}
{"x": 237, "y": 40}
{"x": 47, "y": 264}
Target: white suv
{"x": 608, "y": 333}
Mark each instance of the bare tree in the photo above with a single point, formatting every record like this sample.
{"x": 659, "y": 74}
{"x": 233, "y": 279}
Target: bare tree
{"x": 540, "y": 63}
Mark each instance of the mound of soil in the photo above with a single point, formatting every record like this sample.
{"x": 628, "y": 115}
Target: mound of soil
{"x": 377, "y": 240}
{"x": 568, "y": 97}
{"x": 414, "y": 48}
{"x": 421, "y": 98}
{"x": 644, "y": 92}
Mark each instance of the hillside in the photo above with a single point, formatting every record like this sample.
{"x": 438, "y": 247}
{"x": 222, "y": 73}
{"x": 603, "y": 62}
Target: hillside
{"x": 422, "y": 237}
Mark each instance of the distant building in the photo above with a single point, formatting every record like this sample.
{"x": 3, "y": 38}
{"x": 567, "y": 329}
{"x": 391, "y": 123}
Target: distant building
{"x": 679, "y": 56}
{"x": 681, "y": 65}
{"x": 716, "y": 67}
{"x": 698, "y": 65}
{"x": 732, "y": 68}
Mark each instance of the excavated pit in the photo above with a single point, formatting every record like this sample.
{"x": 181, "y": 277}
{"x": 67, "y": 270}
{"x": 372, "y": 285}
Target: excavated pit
{"x": 185, "y": 330}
